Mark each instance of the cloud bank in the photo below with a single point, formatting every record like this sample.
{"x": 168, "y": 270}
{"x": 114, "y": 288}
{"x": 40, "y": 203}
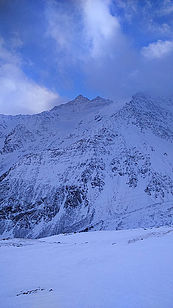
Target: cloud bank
{"x": 92, "y": 35}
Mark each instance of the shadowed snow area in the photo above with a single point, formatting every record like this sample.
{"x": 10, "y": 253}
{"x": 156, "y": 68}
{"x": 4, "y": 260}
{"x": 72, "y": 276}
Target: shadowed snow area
{"x": 101, "y": 269}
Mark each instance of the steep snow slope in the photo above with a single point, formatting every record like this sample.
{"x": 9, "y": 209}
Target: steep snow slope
{"x": 88, "y": 164}
{"x": 102, "y": 269}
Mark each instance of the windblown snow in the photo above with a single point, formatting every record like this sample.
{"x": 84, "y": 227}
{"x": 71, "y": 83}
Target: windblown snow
{"x": 87, "y": 165}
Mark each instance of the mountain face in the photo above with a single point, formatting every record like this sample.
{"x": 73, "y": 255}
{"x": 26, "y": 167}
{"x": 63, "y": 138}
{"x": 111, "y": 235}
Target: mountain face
{"x": 87, "y": 164}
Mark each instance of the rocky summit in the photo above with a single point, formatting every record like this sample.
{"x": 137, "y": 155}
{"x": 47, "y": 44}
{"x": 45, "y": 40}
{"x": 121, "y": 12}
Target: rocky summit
{"x": 87, "y": 165}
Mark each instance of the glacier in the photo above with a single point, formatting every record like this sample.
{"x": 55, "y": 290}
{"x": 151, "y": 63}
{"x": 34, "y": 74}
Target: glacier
{"x": 87, "y": 165}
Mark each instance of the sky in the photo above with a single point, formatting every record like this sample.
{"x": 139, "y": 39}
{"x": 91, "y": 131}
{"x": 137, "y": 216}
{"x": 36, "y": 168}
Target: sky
{"x": 54, "y": 50}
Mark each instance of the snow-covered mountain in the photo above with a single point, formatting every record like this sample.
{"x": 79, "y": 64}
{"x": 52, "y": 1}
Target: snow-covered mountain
{"x": 87, "y": 164}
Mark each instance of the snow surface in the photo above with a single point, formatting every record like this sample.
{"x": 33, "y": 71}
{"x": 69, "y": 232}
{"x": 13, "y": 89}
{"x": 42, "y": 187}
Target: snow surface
{"x": 101, "y": 269}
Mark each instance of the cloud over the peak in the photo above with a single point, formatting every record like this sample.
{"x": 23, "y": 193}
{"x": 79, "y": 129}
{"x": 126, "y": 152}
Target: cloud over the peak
{"x": 90, "y": 37}
{"x": 82, "y": 28}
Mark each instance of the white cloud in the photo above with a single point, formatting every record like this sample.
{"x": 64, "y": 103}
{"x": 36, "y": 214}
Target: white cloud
{"x": 157, "y": 49}
{"x": 19, "y": 94}
{"x": 60, "y": 24}
{"x": 100, "y": 26}
{"x": 67, "y": 34}
{"x": 166, "y": 8}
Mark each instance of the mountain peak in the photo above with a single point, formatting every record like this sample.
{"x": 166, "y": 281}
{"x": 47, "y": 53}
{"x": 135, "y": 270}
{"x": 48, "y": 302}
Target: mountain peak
{"x": 98, "y": 98}
{"x": 80, "y": 97}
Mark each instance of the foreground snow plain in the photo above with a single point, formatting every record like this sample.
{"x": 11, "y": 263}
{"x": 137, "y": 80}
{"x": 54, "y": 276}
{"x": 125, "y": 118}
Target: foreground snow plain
{"x": 101, "y": 269}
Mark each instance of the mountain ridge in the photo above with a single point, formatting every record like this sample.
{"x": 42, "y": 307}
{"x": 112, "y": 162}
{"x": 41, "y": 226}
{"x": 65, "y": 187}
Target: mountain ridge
{"x": 87, "y": 164}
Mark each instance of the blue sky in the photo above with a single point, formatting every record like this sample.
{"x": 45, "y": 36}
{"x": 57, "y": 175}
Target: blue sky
{"x": 53, "y": 50}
